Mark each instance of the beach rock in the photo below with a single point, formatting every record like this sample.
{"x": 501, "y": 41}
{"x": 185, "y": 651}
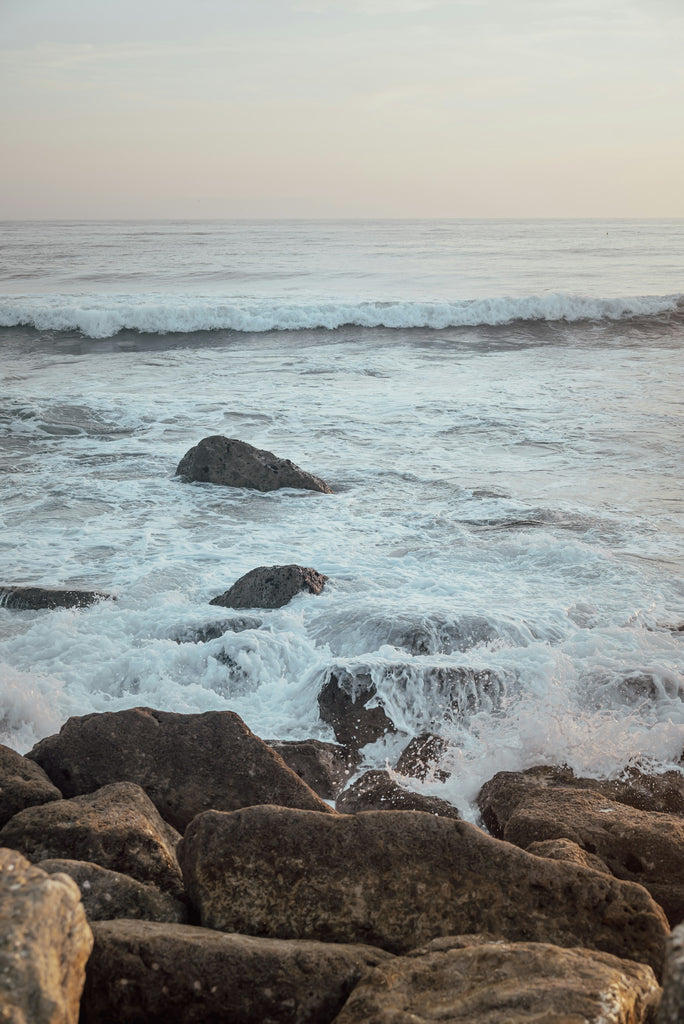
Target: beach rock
{"x": 45, "y": 942}
{"x": 23, "y": 783}
{"x": 109, "y": 894}
{"x": 140, "y": 971}
{"x": 396, "y": 879}
{"x": 349, "y": 703}
{"x": 671, "y": 1010}
{"x": 185, "y": 763}
{"x": 203, "y": 634}
{"x": 376, "y": 790}
{"x": 233, "y": 463}
{"x": 271, "y": 586}
{"x": 117, "y": 827}
{"x": 641, "y": 846}
{"x": 565, "y": 849}
{"x": 515, "y": 983}
{"x": 38, "y": 598}
{"x": 420, "y": 759}
{"x": 325, "y": 767}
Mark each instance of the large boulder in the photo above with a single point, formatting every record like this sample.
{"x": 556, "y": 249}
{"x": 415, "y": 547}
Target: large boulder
{"x": 23, "y": 783}
{"x": 140, "y": 971}
{"x": 185, "y": 763}
{"x": 396, "y": 879}
{"x": 38, "y": 598}
{"x": 45, "y": 942}
{"x": 233, "y": 463}
{"x": 489, "y": 983}
{"x": 107, "y": 895}
{"x": 271, "y": 586}
{"x": 671, "y": 1010}
{"x": 376, "y": 790}
{"x": 117, "y": 827}
{"x": 326, "y": 767}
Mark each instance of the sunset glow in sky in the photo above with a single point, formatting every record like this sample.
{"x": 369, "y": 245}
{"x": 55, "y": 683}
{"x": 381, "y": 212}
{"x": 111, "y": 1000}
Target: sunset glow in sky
{"x": 342, "y": 108}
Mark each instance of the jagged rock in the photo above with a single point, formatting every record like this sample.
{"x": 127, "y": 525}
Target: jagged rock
{"x": 117, "y": 827}
{"x": 203, "y": 634}
{"x": 671, "y": 1010}
{"x": 489, "y": 983}
{"x": 182, "y": 974}
{"x": 233, "y": 463}
{"x": 37, "y": 598}
{"x": 420, "y": 758}
{"x": 565, "y": 849}
{"x": 350, "y": 704}
{"x": 325, "y": 767}
{"x": 23, "y": 783}
{"x": 45, "y": 942}
{"x": 271, "y": 586}
{"x": 185, "y": 763}
{"x": 395, "y": 879}
{"x": 376, "y": 790}
{"x": 642, "y": 846}
{"x": 109, "y": 894}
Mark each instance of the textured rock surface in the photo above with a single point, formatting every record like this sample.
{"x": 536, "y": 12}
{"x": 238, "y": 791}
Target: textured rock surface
{"x": 515, "y": 983}
{"x": 212, "y": 631}
{"x": 565, "y": 849}
{"x": 38, "y": 598}
{"x": 377, "y": 791}
{"x": 44, "y": 944}
{"x": 420, "y": 758}
{"x": 107, "y": 895}
{"x": 144, "y": 972}
{"x": 185, "y": 763}
{"x": 350, "y": 705}
{"x": 671, "y": 1010}
{"x": 396, "y": 879}
{"x": 23, "y": 783}
{"x": 325, "y": 767}
{"x": 233, "y": 463}
{"x": 271, "y": 586}
{"x": 118, "y": 827}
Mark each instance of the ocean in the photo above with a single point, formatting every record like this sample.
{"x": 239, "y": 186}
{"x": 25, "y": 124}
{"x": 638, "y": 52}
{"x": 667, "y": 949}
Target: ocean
{"x": 497, "y": 407}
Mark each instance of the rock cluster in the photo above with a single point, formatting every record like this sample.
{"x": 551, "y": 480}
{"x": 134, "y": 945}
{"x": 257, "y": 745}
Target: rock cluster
{"x": 273, "y": 906}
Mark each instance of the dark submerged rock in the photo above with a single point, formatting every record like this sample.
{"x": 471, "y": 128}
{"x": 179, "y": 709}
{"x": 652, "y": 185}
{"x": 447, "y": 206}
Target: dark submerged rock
{"x": 185, "y": 763}
{"x": 351, "y": 706}
{"x": 271, "y": 586}
{"x": 420, "y": 758}
{"x": 325, "y": 767}
{"x": 233, "y": 463}
{"x": 204, "y": 634}
{"x": 377, "y": 791}
{"x": 23, "y": 783}
{"x": 38, "y": 598}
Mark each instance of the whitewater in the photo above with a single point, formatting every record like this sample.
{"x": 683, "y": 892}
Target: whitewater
{"x": 497, "y": 408}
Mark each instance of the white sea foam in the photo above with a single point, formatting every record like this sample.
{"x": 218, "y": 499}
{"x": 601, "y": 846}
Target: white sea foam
{"x": 103, "y": 316}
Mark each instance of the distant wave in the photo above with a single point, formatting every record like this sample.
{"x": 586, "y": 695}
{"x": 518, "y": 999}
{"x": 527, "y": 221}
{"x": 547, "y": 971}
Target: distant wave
{"x": 103, "y": 316}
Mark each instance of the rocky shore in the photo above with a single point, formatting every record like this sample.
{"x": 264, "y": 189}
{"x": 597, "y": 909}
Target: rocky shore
{"x": 166, "y": 867}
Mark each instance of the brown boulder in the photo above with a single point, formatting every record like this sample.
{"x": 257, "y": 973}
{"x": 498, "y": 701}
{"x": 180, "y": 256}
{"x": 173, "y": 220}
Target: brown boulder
{"x": 107, "y": 895}
{"x": 325, "y": 767}
{"x": 23, "y": 783}
{"x": 671, "y": 1010}
{"x": 376, "y": 790}
{"x": 141, "y": 971}
{"x": 515, "y": 983}
{"x": 117, "y": 827}
{"x": 271, "y": 586}
{"x": 420, "y": 758}
{"x": 233, "y": 463}
{"x": 45, "y": 942}
{"x": 185, "y": 763}
{"x": 398, "y": 878}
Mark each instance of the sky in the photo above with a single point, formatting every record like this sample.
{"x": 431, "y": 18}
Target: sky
{"x": 341, "y": 108}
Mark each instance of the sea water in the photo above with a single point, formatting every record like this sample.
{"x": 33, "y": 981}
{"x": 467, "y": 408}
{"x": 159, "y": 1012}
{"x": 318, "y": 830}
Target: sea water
{"x": 497, "y": 407}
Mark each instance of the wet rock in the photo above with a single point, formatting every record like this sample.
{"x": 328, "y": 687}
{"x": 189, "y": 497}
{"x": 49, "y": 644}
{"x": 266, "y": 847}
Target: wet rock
{"x": 109, "y": 894}
{"x": 395, "y": 879}
{"x": 489, "y": 983}
{"x": 271, "y": 586}
{"x": 203, "y": 634}
{"x": 38, "y": 598}
{"x": 349, "y": 703}
{"x": 45, "y": 942}
{"x": 377, "y": 791}
{"x": 565, "y": 849}
{"x": 222, "y": 978}
{"x": 671, "y": 1010}
{"x": 642, "y": 846}
{"x": 233, "y": 463}
{"x": 420, "y": 759}
{"x": 23, "y": 783}
{"x": 185, "y": 763}
{"x": 325, "y": 767}
{"x": 118, "y": 827}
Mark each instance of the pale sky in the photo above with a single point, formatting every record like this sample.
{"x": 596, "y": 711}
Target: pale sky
{"x": 341, "y": 108}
